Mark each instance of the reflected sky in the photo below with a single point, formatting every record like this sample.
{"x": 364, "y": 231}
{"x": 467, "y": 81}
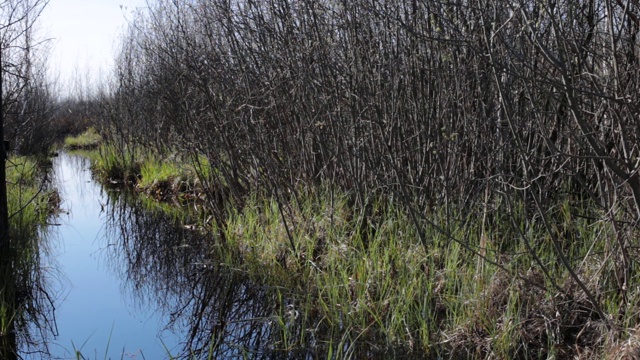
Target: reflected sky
{"x": 93, "y": 314}
{"x": 137, "y": 285}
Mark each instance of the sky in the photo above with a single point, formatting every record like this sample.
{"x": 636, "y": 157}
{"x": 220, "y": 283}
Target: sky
{"x": 84, "y": 35}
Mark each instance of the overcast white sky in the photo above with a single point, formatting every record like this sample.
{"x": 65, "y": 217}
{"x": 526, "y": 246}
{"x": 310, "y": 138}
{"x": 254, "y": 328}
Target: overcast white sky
{"x": 84, "y": 35}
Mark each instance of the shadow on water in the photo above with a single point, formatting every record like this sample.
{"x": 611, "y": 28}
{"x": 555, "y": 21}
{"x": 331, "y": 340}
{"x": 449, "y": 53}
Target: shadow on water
{"x": 176, "y": 276}
{"x": 220, "y": 311}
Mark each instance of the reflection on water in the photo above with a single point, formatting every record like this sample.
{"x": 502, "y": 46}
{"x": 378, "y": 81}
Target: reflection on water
{"x": 218, "y": 311}
{"x": 142, "y": 286}
{"x": 93, "y": 315}
{"x": 135, "y": 284}
{"x": 25, "y": 273}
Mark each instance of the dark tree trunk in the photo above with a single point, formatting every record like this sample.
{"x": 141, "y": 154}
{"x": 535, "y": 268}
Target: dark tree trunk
{"x": 8, "y": 343}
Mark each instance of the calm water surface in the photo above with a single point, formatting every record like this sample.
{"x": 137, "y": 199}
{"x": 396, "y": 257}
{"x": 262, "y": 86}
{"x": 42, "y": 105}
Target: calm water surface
{"x": 132, "y": 283}
{"x": 96, "y": 313}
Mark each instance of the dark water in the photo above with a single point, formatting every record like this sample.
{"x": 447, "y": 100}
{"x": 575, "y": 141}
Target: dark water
{"x": 132, "y": 283}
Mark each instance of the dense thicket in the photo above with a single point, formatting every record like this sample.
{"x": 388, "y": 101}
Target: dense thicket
{"x": 467, "y": 105}
{"x": 437, "y": 99}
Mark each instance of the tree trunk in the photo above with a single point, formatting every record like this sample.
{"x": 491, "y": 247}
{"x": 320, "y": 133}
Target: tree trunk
{"x": 8, "y": 343}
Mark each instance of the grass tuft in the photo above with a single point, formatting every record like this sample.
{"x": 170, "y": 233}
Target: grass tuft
{"x": 88, "y": 140}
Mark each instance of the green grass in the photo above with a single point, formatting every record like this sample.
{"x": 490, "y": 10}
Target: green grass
{"x": 373, "y": 281}
{"x": 162, "y": 179}
{"x": 115, "y": 164}
{"x": 379, "y": 287}
{"x": 29, "y": 200}
{"x": 89, "y": 139}
{"x": 158, "y": 176}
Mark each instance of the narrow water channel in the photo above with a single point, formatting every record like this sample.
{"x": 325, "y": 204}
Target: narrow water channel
{"x": 138, "y": 285}
{"x": 96, "y": 313}
{"x": 131, "y": 281}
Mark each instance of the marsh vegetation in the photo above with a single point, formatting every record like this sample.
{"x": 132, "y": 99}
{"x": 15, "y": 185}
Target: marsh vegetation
{"x": 382, "y": 178}
{"x": 415, "y": 178}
